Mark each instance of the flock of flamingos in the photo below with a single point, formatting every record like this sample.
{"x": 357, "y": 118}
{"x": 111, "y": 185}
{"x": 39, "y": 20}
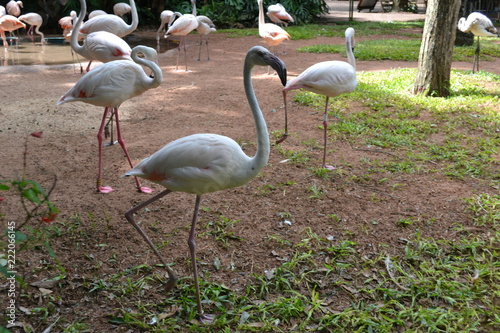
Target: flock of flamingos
{"x": 198, "y": 163}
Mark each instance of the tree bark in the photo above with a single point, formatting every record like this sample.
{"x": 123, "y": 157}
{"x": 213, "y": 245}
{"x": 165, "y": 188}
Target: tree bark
{"x": 436, "y": 51}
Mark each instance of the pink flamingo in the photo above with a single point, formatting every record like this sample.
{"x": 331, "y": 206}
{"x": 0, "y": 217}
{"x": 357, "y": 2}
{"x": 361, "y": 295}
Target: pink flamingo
{"x": 273, "y": 35}
{"x": 278, "y": 14}
{"x": 14, "y": 7}
{"x": 109, "y": 85}
{"x": 182, "y": 27}
{"x": 66, "y": 24}
{"x": 9, "y": 23}
{"x": 204, "y": 163}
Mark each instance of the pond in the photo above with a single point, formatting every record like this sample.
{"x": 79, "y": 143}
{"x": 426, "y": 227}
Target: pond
{"x": 57, "y": 51}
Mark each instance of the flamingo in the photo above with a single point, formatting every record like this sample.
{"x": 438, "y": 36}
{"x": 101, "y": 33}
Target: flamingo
{"x": 66, "y": 24}
{"x": 112, "y": 23}
{"x": 121, "y": 8}
{"x": 272, "y": 34}
{"x": 205, "y": 26}
{"x": 96, "y": 12}
{"x": 100, "y": 45}
{"x": 111, "y": 84}
{"x": 9, "y": 23}
{"x": 35, "y": 21}
{"x": 278, "y": 14}
{"x": 3, "y": 11}
{"x": 14, "y": 7}
{"x": 181, "y": 27}
{"x": 204, "y": 163}
{"x": 328, "y": 78}
{"x": 481, "y": 26}
{"x": 166, "y": 17}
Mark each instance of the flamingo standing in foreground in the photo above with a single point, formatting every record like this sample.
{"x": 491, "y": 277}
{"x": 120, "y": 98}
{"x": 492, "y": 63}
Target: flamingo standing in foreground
{"x": 182, "y": 27}
{"x": 109, "y": 85}
{"x": 35, "y": 21}
{"x": 481, "y": 26}
{"x": 204, "y": 163}
{"x": 205, "y": 26}
{"x": 100, "y": 45}
{"x": 9, "y": 23}
{"x": 112, "y": 23}
{"x": 272, "y": 34}
{"x": 278, "y": 14}
{"x": 328, "y": 78}
{"x": 166, "y": 17}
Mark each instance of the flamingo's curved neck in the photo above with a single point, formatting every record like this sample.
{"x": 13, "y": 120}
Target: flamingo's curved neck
{"x": 158, "y": 75}
{"x": 350, "y": 54}
{"x": 263, "y": 146}
{"x": 76, "y": 27}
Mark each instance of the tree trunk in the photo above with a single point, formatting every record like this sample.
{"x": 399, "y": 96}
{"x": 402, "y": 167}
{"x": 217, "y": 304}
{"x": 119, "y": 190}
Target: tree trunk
{"x": 436, "y": 51}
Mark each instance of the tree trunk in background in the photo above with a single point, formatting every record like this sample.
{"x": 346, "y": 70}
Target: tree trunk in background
{"x": 436, "y": 51}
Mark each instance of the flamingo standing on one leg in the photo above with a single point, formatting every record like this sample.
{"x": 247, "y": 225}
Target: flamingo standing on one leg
{"x": 35, "y": 21}
{"x": 112, "y": 23}
{"x": 100, "y": 45}
{"x": 204, "y": 163}
{"x": 9, "y": 23}
{"x": 205, "y": 26}
{"x": 481, "y": 26}
{"x": 328, "y": 78}
{"x": 182, "y": 27}
{"x": 109, "y": 85}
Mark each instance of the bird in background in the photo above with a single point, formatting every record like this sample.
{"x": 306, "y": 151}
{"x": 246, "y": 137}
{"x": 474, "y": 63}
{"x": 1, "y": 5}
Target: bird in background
{"x": 66, "y": 23}
{"x": 100, "y": 45}
{"x": 184, "y": 24}
{"x": 111, "y": 23}
{"x": 9, "y": 23}
{"x": 328, "y": 78}
{"x": 96, "y": 12}
{"x": 481, "y": 26}
{"x": 3, "y": 11}
{"x": 205, "y": 26}
{"x": 121, "y": 9}
{"x": 205, "y": 163}
{"x": 111, "y": 84}
{"x": 14, "y": 7}
{"x": 166, "y": 18}
{"x": 273, "y": 35}
{"x": 278, "y": 14}
{"x": 35, "y": 20}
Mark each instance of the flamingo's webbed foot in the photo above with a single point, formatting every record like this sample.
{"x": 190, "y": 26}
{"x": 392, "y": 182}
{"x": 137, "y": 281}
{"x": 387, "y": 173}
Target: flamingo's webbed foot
{"x": 145, "y": 189}
{"x": 328, "y": 167}
{"x": 283, "y": 138}
{"x": 105, "y": 189}
{"x": 206, "y": 319}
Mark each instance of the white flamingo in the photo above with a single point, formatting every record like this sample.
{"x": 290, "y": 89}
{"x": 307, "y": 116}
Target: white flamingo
{"x": 66, "y": 23}
{"x": 100, "y": 45}
{"x": 278, "y": 14}
{"x": 111, "y": 84}
{"x": 205, "y": 26}
{"x": 96, "y": 12}
{"x": 204, "y": 163}
{"x": 481, "y": 26}
{"x": 122, "y": 8}
{"x": 328, "y": 78}
{"x": 35, "y": 21}
{"x": 182, "y": 27}
{"x": 112, "y": 23}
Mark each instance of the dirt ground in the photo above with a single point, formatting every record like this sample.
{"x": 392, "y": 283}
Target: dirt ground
{"x": 210, "y": 98}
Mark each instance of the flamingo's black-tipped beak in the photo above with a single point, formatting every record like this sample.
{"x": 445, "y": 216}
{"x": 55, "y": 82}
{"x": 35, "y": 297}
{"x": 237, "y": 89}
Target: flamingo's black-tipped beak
{"x": 278, "y": 65}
